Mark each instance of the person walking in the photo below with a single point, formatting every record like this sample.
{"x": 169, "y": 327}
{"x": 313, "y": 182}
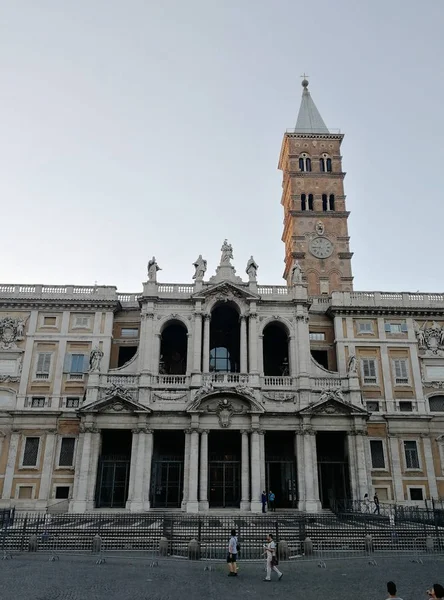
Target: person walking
{"x": 436, "y": 591}
{"x": 232, "y": 554}
{"x": 264, "y": 501}
{"x": 391, "y": 590}
{"x": 366, "y": 503}
{"x": 271, "y": 499}
{"x": 377, "y": 507}
{"x": 272, "y": 561}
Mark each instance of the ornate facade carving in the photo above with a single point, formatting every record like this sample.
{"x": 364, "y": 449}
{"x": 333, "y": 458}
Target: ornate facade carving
{"x": 225, "y": 411}
{"x": 11, "y": 331}
{"x": 9, "y": 379}
{"x": 169, "y": 396}
{"x": 430, "y": 339}
{"x": 280, "y": 397}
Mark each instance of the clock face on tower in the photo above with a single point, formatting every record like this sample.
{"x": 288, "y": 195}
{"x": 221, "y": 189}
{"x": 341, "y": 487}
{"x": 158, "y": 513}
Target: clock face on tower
{"x": 321, "y": 247}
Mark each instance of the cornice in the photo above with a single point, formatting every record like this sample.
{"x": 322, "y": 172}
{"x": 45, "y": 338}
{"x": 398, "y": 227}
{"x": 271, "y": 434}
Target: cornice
{"x": 312, "y": 213}
{"x": 384, "y": 310}
{"x": 59, "y": 303}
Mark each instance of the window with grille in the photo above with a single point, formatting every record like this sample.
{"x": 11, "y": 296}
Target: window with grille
{"x": 62, "y": 492}
{"x": 401, "y": 372}
{"x": 377, "y": 452}
{"x": 436, "y": 404}
{"x": 38, "y": 402}
{"x": 368, "y": 368}
{"x": 406, "y": 406}
{"x": 395, "y": 328}
{"x": 43, "y": 365}
{"x": 416, "y": 494}
{"x": 31, "y": 452}
{"x": 372, "y": 406}
{"x": 72, "y": 402}
{"x": 316, "y": 336}
{"x": 67, "y": 452}
{"x": 365, "y": 327}
{"x": 411, "y": 455}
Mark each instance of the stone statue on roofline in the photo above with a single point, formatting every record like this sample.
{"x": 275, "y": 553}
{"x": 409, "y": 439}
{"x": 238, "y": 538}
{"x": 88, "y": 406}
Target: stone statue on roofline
{"x": 95, "y": 358}
{"x": 227, "y": 253}
{"x": 251, "y": 269}
{"x": 296, "y": 273}
{"x": 201, "y": 266}
{"x": 153, "y": 267}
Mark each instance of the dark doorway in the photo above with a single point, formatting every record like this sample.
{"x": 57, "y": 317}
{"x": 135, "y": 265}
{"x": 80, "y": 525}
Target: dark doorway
{"x": 126, "y": 353}
{"x": 280, "y": 468}
{"x": 225, "y": 339}
{"x": 321, "y": 357}
{"x": 224, "y": 451}
{"x": 167, "y": 469}
{"x": 113, "y": 469}
{"x": 173, "y": 350}
{"x": 275, "y": 350}
{"x": 333, "y": 467}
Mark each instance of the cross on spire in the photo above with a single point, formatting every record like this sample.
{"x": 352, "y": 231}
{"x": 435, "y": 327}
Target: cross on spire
{"x": 304, "y": 76}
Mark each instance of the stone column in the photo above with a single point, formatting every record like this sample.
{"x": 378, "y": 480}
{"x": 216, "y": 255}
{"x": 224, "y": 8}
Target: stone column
{"x": 48, "y": 467}
{"x": 134, "y": 459}
{"x": 299, "y": 453}
{"x": 260, "y": 357}
{"x": 93, "y": 466}
{"x": 291, "y": 356}
{"x": 206, "y": 344}
{"x": 430, "y": 468}
{"x": 78, "y": 504}
{"x": 352, "y": 464}
{"x": 197, "y": 342}
{"x": 189, "y": 353}
{"x": 156, "y": 353}
{"x": 256, "y": 505}
{"x": 361, "y": 464}
{"x": 203, "y": 495}
{"x": 398, "y": 488}
{"x": 149, "y": 444}
{"x": 245, "y": 479}
{"x": 186, "y": 468}
{"x": 10, "y": 465}
{"x": 262, "y": 459}
{"x": 312, "y": 503}
{"x": 135, "y": 495}
{"x": 146, "y": 340}
{"x": 253, "y": 342}
{"x": 243, "y": 345}
{"x": 193, "y": 504}
{"x": 302, "y": 336}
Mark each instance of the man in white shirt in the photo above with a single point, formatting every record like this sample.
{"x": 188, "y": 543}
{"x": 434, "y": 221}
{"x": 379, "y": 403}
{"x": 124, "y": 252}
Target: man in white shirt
{"x": 270, "y": 553}
{"x": 232, "y": 554}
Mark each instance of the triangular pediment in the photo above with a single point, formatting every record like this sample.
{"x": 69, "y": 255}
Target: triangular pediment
{"x": 333, "y": 406}
{"x": 115, "y": 401}
{"x": 226, "y": 290}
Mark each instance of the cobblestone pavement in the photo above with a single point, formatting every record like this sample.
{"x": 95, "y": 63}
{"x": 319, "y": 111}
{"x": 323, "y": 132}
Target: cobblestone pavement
{"x": 29, "y": 577}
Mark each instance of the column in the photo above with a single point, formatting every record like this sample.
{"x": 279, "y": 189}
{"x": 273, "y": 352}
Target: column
{"x": 362, "y": 464}
{"x": 135, "y": 491}
{"x": 186, "y": 468}
{"x": 245, "y": 479}
{"x": 352, "y": 466}
{"x": 387, "y": 377}
{"x": 312, "y": 503}
{"x": 299, "y": 453}
{"x": 260, "y": 361}
{"x": 203, "y": 495}
{"x": 292, "y": 366}
{"x": 243, "y": 345}
{"x": 206, "y": 344}
{"x": 303, "y": 354}
{"x": 10, "y": 465}
{"x": 189, "y": 353}
{"x": 430, "y": 468}
{"x": 262, "y": 459}
{"x": 146, "y": 340}
{"x": 256, "y": 505}
{"x": 134, "y": 459}
{"x": 93, "y": 466}
{"x": 149, "y": 444}
{"x": 193, "y": 504}
{"x": 253, "y": 342}
{"x": 48, "y": 466}
{"x": 197, "y": 342}
{"x": 78, "y": 504}
{"x": 398, "y": 488}
{"x": 156, "y": 353}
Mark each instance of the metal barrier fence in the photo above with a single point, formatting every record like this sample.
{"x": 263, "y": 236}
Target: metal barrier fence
{"x": 432, "y": 514}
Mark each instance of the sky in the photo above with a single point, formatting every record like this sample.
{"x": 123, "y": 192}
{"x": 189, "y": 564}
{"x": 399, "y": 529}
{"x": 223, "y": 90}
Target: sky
{"x": 140, "y": 128}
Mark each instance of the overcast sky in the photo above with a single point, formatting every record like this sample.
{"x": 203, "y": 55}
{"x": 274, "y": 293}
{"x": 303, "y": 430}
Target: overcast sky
{"x": 154, "y": 127}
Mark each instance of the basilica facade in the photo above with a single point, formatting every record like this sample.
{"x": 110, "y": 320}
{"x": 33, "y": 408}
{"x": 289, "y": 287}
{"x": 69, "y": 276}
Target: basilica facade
{"x": 198, "y": 396}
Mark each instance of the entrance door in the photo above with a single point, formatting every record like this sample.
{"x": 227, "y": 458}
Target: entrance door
{"x": 112, "y": 483}
{"x": 224, "y": 480}
{"x": 333, "y": 468}
{"x": 281, "y": 480}
{"x": 166, "y": 484}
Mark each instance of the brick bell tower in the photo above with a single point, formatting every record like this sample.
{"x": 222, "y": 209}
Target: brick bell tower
{"x": 315, "y": 218}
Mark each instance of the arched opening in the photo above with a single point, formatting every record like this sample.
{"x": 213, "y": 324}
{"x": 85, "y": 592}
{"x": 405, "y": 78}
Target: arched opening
{"x": 324, "y": 202}
{"x": 304, "y": 162}
{"x": 303, "y": 202}
{"x": 173, "y": 349}
{"x": 225, "y": 339}
{"x": 325, "y": 164}
{"x": 310, "y": 201}
{"x": 275, "y": 350}
{"x": 436, "y": 404}
{"x": 332, "y": 202}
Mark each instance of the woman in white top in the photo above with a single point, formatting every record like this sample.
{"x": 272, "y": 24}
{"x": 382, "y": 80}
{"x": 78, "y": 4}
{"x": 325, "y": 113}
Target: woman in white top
{"x": 270, "y": 553}
{"x": 232, "y": 554}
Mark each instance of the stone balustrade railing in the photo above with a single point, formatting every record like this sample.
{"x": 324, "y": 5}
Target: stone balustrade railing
{"x": 388, "y": 299}
{"x": 277, "y": 382}
{"x": 273, "y": 290}
{"x": 170, "y": 380}
{"x": 108, "y": 292}
{"x": 226, "y": 378}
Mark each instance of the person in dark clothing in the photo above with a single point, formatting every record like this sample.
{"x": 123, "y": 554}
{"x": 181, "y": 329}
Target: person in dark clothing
{"x": 377, "y": 510}
{"x": 264, "y": 501}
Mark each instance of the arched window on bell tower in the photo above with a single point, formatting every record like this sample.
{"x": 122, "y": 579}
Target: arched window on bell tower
{"x": 325, "y": 163}
{"x": 304, "y": 162}
{"x": 310, "y": 201}
{"x": 331, "y": 202}
{"x": 303, "y": 202}
{"x": 324, "y": 202}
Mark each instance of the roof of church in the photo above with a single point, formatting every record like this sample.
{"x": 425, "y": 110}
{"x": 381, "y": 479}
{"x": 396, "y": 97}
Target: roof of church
{"x": 309, "y": 119}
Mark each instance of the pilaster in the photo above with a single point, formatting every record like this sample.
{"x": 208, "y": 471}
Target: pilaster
{"x": 430, "y": 468}
{"x": 10, "y": 465}
{"x": 256, "y": 505}
{"x": 245, "y": 481}
{"x": 243, "y": 345}
{"x": 253, "y": 339}
{"x": 192, "y": 503}
{"x": 48, "y": 466}
{"x": 398, "y": 489}
{"x": 203, "y": 495}
{"x": 206, "y": 344}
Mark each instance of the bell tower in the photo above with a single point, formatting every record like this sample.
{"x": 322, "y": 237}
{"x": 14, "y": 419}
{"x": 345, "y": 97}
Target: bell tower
{"x": 315, "y": 218}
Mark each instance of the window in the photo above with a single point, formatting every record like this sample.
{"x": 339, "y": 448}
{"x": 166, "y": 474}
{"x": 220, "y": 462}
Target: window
{"x": 401, "y": 373}
{"x": 365, "y": 327}
{"x": 416, "y": 493}
{"x": 368, "y": 371}
{"x": 130, "y": 332}
{"x": 405, "y": 406}
{"x": 49, "y": 321}
{"x": 303, "y": 202}
{"x": 436, "y": 404}
{"x": 411, "y": 455}
{"x": 25, "y": 492}
{"x": 38, "y": 402}
{"x": 310, "y": 201}
{"x": 220, "y": 360}
{"x": 372, "y": 406}
{"x": 321, "y": 357}
{"x": 324, "y": 202}
{"x": 331, "y": 202}
{"x": 377, "y": 452}
{"x": 82, "y": 322}
{"x": 62, "y": 492}
{"x": 304, "y": 162}
{"x": 43, "y": 365}
{"x": 76, "y": 365}
{"x": 395, "y": 328}
{"x": 317, "y": 336}
{"x": 72, "y": 402}
{"x": 66, "y": 457}
{"x": 31, "y": 452}
{"x": 325, "y": 164}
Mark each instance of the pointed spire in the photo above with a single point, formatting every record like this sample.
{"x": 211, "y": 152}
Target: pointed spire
{"x": 309, "y": 119}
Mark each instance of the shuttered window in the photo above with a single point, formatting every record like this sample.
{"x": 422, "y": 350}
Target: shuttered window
{"x": 401, "y": 373}
{"x": 368, "y": 366}
{"x": 76, "y": 363}
{"x": 43, "y": 363}
{"x": 411, "y": 455}
{"x": 31, "y": 452}
{"x": 66, "y": 452}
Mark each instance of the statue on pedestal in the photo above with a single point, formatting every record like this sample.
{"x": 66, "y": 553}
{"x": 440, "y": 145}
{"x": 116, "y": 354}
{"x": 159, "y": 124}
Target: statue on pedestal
{"x": 296, "y": 273}
{"x": 153, "y": 267}
{"x": 227, "y": 253}
{"x": 201, "y": 266}
{"x": 251, "y": 269}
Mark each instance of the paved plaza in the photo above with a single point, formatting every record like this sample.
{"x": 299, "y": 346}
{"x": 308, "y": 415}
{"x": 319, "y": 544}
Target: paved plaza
{"x": 29, "y": 577}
